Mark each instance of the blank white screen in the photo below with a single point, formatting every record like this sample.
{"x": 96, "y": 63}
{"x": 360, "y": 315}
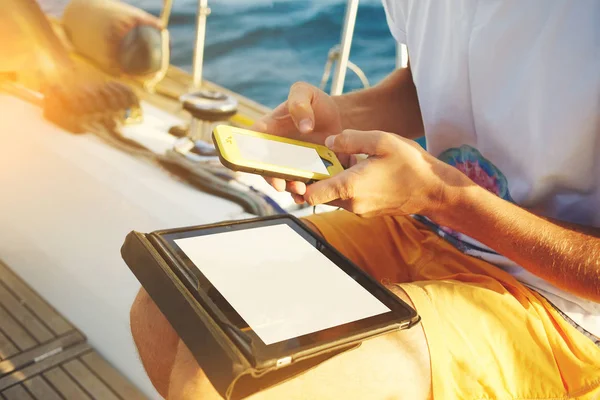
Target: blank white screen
{"x": 278, "y": 282}
{"x": 280, "y": 154}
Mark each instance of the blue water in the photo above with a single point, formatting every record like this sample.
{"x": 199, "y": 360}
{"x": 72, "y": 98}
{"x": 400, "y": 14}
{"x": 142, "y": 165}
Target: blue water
{"x": 260, "y": 47}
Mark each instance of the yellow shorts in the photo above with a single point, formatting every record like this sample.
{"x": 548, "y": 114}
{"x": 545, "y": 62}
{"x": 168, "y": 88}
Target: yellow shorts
{"x": 489, "y": 336}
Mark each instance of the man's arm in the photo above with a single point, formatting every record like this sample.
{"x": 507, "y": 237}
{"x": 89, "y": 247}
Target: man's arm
{"x": 401, "y": 178}
{"x": 564, "y": 254}
{"x": 390, "y": 106}
{"x": 586, "y": 230}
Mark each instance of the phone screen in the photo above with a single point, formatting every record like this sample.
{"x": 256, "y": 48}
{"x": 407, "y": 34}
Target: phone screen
{"x": 280, "y": 284}
{"x": 280, "y": 154}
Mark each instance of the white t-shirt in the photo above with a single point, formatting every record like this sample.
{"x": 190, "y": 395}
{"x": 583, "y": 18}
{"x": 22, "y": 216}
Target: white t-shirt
{"x": 510, "y": 94}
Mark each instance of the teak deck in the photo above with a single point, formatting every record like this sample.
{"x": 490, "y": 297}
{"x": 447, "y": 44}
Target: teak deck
{"x": 43, "y": 356}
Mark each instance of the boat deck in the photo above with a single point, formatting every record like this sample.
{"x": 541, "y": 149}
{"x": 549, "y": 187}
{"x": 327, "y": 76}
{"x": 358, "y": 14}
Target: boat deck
{"x": 43, "y": 356}
{"x": 70, "y": 200}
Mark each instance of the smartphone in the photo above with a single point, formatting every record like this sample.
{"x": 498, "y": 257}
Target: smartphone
{"x": 274, "y": 156}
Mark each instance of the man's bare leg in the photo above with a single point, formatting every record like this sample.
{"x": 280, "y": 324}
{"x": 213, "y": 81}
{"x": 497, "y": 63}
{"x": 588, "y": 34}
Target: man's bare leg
{"x": 155, "y": 340}
{"x": 393, "y": 366}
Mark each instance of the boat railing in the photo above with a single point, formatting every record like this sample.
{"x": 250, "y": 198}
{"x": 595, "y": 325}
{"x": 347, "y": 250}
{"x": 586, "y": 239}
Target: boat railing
{"x": 339, "y": 76}
{"x": 343, "y": 55}
{"x": 339, "y": 54}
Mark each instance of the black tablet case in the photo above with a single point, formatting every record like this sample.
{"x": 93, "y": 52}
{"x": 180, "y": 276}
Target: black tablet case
{"x": 226, "y": 367}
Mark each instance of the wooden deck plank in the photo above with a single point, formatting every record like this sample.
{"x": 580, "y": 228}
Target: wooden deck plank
{"x": 58, "y": 324}
{"x": 40, "y": 389}
{"x": 65, "y": 367}
{"x": 66, "y": 386}
{"x": 17, "y": 393}
{"x": 7, "y": 348}
{"x": 40, "y": 352}
{"x": 40, "y": 366}
{"x": 111, "y": 377}
{"x": 88, "y": 380}
{"x": 32, "y": 324}
{"x": 15, "y": 332}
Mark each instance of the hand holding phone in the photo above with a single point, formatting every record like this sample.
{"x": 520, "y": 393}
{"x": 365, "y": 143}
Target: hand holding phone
{"x": 274, "y": 156}
{"x": 309, "y": 114}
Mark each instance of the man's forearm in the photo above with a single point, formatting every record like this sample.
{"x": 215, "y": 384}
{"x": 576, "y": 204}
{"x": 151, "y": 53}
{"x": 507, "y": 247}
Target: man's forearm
{"x": 390, "y": 106}
{"x": 563, "y": 254}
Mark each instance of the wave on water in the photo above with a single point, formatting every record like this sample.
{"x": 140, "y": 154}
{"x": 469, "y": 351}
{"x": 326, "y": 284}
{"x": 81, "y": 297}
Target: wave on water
{"x": 260, "y": 47}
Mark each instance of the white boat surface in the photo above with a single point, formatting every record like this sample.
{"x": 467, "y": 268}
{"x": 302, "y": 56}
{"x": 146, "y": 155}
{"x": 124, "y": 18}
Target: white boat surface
{"x": 68, "y": 201}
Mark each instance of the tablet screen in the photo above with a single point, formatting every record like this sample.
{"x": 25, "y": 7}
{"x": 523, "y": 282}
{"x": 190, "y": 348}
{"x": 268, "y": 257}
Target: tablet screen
{"x": 281, "y": 285}
{"x": 277, "y": 290}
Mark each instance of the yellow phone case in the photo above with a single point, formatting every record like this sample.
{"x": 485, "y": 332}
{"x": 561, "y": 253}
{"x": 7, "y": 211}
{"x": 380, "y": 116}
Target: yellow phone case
{"x": 224, "y": 139}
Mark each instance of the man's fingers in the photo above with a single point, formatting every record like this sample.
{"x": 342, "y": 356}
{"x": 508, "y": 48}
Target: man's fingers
{"x": 277, "y": 183}
{"x": 373, "y": 143}
{"x": 298, "y": 199}
{"x": 281, "y": 185}
{"x": 260, "y": 126}
{"x": 300, "y": 106}
{"x": 296, "y": 187}
{"x": 344, "y": 159}
{"x": 339, "y": 187}
{"x": 347, "y": 160}
{"x": 279, "y": 122}
{"x": 352, "y": 160}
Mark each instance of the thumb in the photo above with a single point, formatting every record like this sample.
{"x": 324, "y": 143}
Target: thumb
{"x": 372, "y": 143}
{"x": 300, "y": 106}
{"x": 338, "y": 187}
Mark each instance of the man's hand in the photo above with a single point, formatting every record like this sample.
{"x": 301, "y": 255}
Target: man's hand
{"x": 397, "y": 178}
{"x": 309, "y": 114}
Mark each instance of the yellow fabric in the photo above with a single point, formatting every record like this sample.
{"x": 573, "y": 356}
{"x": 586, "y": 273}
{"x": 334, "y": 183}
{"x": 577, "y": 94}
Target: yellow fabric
{"x": 489, "y": 336}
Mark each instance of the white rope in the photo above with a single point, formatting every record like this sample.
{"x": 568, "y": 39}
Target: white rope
{"x": 359, "y": 72}
{"x": 333, "y": 56}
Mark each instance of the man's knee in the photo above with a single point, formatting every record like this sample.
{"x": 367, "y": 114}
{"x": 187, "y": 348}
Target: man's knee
{"x": 393, "y": 366}
{"x": 311, "y": 225}
{"x": 155, "y": 340}
{"x": 144, "y": 314}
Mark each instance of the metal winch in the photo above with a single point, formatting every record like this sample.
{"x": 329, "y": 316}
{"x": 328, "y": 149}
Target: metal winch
{"x": 207, "y": 107}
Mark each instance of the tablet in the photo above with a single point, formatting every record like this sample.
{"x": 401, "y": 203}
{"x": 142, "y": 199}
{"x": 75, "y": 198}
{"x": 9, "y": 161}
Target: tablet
{"x": 279, "y": 291}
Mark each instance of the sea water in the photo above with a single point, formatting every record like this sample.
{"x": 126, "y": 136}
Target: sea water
{"x": 258, "y": 48}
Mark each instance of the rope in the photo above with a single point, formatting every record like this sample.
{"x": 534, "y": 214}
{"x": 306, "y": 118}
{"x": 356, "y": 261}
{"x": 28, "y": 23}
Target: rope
{"x": 213, "y": 179}
{"x": 100, "y": 108}
{"x": 332, "y": 57}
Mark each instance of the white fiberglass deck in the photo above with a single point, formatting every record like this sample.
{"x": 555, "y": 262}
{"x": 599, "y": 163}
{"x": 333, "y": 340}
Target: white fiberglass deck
{"x": 66, "y": 204}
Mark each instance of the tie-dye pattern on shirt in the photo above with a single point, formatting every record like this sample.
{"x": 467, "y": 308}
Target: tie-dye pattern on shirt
{"x": 480, "y": 170}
